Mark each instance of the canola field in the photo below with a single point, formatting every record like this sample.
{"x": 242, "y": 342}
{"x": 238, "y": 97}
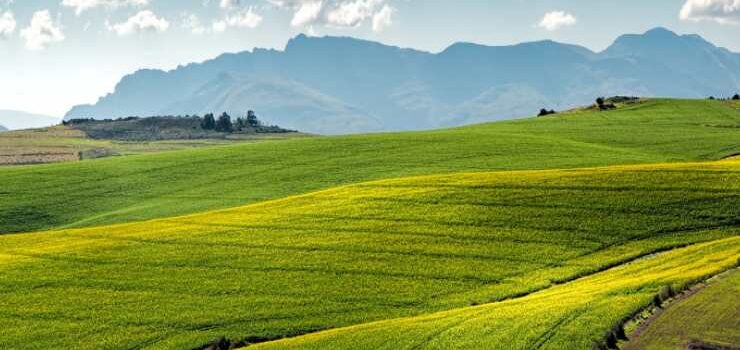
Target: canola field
{"x": 550, "y": 257}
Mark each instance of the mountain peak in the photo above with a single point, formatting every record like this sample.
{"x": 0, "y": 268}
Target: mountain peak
{"x": 656, "y": 41}
{"x": 660, "y": 32}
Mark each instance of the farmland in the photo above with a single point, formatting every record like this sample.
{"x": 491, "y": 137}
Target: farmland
{"x": 551, "y": 257}
{"x": 711, "y": 315}
{"x": 65, "y": 144}
{"x": 541, "y": 233}
{"x": 141, "y": 187}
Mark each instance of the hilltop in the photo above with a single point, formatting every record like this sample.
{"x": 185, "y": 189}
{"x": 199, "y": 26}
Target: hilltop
{"x": 334, "y": 85}
{"x": 174, "y": 127}
{"x": 143, "y": 187}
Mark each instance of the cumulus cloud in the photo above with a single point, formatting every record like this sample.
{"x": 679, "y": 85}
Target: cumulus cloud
{"x": 42, "y": 31}
{"x": 192, "y": 23}
{"x": 720, "y": 11}
{"x": 81, "y": 6}
{"x": 557, "y": 19}
{"x": 383, "y": 19}
{"x": 306, "y": 13}
{"x": 7, "y": 24}
{"x": 246, "y": 18}
{"x": 229, "y": 4}
{"x": 144, "y": 21}
{"x": 337, "y": 13}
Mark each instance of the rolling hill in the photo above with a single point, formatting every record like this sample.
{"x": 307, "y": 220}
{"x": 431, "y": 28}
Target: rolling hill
{"x": 2, "y": 128}
{"x": 551, "y": 257}
{"x": 144, "y": 187}
{"x": 342, "y": 85}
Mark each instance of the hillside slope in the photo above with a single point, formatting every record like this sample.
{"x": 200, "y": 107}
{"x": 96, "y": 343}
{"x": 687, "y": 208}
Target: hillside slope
{"x": 150, "y": 186}
{"x": 377, "y": 251}
{"x": 570, "y": 316}
{"x": 344, "y": 85}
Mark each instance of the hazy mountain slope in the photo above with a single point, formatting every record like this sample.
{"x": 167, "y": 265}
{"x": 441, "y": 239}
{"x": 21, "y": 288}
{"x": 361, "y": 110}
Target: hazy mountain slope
{"x": 2, "y": 128}
{"x": 338, "y": 85}
{"x": 14, "y": 120}
{"x": 677, "y": 65}
{"x": 303, "y": 108}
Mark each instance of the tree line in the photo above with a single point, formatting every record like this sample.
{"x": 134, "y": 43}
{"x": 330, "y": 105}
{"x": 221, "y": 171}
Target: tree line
{"x": 224, "y": 124}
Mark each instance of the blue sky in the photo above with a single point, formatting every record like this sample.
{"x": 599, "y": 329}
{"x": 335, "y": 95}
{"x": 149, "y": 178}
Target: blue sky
{"x": 58, "y": 53}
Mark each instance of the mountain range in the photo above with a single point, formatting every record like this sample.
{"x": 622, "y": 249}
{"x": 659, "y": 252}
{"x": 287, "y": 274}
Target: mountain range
{"x": 14, "y": 120}
{"x": 334, "y": 85}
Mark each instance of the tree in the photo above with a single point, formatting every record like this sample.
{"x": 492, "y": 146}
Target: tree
{"x": 736, "y": 97}
{"x": 603, "y": 105}
{"x": 711, "y": 98}
{"x": 600, "y": 102}
{"x": 223, "y": 124}
{"x": 208, "y": 122}
{"x": 252, "y": 119}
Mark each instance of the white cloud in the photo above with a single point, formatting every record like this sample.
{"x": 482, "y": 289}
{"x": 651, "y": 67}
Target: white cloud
{"x": 229, "y": 4}
{"x": 557, "y": 19}
{"x": 7, "y": 24}
{"x": 247, "y": 18}
{"x": 337, "y": 13}
{"x": 307, "y": 13}
{"x": 144, "y": 21}
{"x": 42, "y": 31}
{"x": 720, "y": 11}
{"x": 192, "y": 23}
{"x": 84, "y": 5}
{"x": 352, "y": 13}
{"x": 383, "y": 19}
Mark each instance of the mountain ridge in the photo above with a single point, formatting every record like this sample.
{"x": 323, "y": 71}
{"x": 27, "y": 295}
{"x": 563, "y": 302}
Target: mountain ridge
{"x": 344, "y": 85}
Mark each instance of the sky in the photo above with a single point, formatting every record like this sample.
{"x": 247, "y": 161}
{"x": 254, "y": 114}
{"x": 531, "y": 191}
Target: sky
{"x": 58, "y": 53}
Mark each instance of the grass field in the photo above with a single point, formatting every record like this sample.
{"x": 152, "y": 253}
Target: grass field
{"x": 711, "y": 316}
{"x": 544, "y": 240}
{"x": 124, "y": 189}
{"x": 569, "y": 316}
{"x": 64, "y": 144}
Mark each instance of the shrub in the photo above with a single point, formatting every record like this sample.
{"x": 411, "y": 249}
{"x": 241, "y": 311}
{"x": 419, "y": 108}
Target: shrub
{"x": 736, "y": 97}
{"x": 657, "y": 302}
{"x": 544, "y": 112}
{"x": 611, "y": 341}
{"x": 619, "y": 332}
{"x": 667, "y": 292}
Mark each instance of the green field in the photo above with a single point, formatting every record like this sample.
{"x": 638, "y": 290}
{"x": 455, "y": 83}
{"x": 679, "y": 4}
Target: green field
{"x": 378, "y": 251}
{"x": 530, "y": 234}
{"x": 569, "y": 316}
{"x": 711, "y": 316}
{"x": 124, "y": 189}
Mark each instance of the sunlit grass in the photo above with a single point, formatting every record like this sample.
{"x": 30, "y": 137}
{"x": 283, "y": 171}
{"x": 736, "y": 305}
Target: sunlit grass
{"x": 376, "y": 251}
{"x": 143, "y": 187}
